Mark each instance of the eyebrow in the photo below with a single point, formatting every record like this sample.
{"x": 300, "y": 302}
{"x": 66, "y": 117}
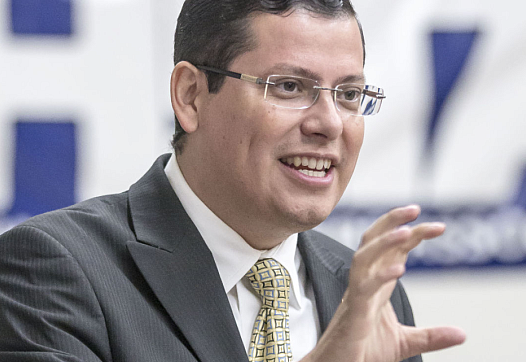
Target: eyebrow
{"x": 355, "y": 78}
{"x": 287, "y": 69}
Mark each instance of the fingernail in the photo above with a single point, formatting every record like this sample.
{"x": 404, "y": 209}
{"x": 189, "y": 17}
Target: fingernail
{"x": 413, "y": 207}
{"x": 437, "y": 224}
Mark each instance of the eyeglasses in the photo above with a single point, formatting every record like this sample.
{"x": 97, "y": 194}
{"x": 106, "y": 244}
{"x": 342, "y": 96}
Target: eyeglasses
{"x": 294, "y": 92}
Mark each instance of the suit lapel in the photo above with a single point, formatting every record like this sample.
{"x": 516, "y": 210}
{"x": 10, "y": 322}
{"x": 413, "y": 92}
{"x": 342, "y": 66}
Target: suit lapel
{"x": 180, "y": 269}
{"x": 327, "y": 271}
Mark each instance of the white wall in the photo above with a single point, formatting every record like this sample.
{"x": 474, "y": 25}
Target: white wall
{"x": 488, "y": 304}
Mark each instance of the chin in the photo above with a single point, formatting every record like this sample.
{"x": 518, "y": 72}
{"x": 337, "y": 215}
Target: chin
{"x": 306, "y": 219}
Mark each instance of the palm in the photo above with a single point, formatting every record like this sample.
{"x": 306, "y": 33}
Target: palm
{"x": 385, "y": 342}
{"x": 378, "y": 336}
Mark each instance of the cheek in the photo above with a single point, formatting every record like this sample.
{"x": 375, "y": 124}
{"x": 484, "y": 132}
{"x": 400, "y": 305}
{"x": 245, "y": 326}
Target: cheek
{"x": 238, "y": 134}
{"x": 280, "y": 125}
{"x": 265, "y": 128}
{"x": 353, "y": 136}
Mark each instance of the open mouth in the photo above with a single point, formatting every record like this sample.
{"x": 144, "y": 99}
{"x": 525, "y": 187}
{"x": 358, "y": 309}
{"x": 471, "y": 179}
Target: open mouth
{"x": 310, "y": 166}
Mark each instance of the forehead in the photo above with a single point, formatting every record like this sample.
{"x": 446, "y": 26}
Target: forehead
{"x": 322, "y": 46}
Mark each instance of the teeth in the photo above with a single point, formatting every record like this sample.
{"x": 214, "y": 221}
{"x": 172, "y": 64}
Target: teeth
{"x": 319, "y": 164}
{"x": 313, "y": 173}
{"x": 297, "y": 161}
{"x": 314, "y": 164}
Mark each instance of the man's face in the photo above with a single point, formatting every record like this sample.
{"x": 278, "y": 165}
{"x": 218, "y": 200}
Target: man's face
{"x": 237, "y": 161}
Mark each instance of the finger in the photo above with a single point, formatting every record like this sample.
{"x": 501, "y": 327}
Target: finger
{"x": 373, "y": 251}
{"x": 391, "y": 220}
{"x": 423, "y": 231}
{"x": 376, "y": 264}
{"x": 421, "y": 340}
{"x": 404, "y": 238}
{"x": 398, "y": 249}
{"x": 383, "y": 260}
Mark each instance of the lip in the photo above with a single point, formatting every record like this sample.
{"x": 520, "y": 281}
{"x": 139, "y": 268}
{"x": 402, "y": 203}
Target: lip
{"x": 309, "y": 180}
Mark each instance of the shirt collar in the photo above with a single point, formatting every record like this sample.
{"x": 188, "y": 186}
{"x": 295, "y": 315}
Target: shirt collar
{"x": 233, "y": 256}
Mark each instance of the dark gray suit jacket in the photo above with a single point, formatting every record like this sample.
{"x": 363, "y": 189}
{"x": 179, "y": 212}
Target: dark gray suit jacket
{"x": 128, "y": 278}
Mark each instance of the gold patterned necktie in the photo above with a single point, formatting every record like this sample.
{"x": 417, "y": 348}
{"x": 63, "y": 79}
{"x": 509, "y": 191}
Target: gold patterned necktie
{"x": 270, "y": 340}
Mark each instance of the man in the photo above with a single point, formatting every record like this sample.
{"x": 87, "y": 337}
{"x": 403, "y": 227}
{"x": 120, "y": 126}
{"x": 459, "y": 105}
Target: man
{"x": 157, "y": 275}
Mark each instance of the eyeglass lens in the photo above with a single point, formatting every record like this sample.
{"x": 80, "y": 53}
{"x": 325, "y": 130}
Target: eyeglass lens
{"x": 300, "y": 93}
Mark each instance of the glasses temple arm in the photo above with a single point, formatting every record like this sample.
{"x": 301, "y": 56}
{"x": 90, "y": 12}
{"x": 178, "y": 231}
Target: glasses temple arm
{"x": 246, "y": 77}
{"x": 374, "y": 94}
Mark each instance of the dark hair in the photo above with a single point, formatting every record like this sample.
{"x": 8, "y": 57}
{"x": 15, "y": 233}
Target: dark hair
{"x": 215, "y": 32}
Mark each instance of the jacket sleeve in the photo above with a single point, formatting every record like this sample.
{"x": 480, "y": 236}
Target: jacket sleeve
{"x": 404, "y": 313}
{"x": 48, "y": 310}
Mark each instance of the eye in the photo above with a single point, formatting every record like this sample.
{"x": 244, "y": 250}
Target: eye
{"x": 289, "y": 86}
{"x": 351, "y": 95}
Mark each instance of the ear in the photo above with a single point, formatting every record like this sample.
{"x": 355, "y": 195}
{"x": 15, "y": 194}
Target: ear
{"x": 187, "y": 85}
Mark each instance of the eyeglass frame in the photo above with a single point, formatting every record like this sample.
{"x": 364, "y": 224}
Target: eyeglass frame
{"x": 257, "y": 80}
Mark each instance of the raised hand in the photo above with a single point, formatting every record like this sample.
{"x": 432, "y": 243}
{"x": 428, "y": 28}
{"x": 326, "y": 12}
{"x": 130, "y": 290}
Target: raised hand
{"x": 365, "y": 327}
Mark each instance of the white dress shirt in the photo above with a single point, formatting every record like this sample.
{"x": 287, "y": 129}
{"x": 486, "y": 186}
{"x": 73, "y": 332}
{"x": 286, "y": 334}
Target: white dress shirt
{"x": 234, "y": 257}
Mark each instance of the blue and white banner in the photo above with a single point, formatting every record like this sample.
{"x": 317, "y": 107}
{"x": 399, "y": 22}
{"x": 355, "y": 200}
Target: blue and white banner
{"x": 84, "y": 110}
{"x": 452, "y": 132}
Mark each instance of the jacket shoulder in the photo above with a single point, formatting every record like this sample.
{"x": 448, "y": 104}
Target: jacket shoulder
{"x": 93, "y": 220}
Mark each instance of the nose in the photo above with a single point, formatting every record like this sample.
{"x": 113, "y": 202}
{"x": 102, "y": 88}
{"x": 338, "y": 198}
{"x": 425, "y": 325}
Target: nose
{"x": 323, "y": 118}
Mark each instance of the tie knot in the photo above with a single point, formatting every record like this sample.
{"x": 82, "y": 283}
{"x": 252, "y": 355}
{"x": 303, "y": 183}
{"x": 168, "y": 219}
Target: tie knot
{"x": 272, "y": 282}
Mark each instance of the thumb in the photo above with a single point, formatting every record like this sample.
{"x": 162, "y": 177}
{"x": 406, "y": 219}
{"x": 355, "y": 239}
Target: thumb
{"x": 421, "y": 340}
